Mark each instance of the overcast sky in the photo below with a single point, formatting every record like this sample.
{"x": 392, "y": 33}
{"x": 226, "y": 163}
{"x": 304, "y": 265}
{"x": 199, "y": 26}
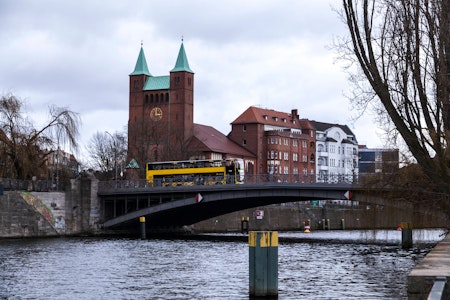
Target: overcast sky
{"x": 274, "y": 54}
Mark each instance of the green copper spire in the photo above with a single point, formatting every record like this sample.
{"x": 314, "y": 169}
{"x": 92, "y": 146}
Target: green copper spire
{"x": 141, "y": 65}
{"x": 182, "y": 63}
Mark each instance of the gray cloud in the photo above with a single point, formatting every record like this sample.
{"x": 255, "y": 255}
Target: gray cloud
{"x": 78, "y": 54}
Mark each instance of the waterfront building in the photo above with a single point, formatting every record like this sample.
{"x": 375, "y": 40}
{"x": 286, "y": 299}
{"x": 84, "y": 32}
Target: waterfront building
{"x": 377, "y": 160}
{"x": 283, "y": 145}
{"x": 336, "y": 152}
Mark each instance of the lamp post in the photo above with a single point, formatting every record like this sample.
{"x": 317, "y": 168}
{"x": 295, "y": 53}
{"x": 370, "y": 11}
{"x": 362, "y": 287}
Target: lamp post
{"x": 115, "y": 152}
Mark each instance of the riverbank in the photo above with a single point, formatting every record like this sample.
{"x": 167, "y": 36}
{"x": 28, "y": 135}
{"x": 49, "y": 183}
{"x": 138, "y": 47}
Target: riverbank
{"x": 435, "y": 264}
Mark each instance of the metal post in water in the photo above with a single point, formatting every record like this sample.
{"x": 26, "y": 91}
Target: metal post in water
{"x": 263, "y": 263}
{"x": 142, "y": 224}
{"x": 244, "y": 225}
{"x": 407, "y": 240}
{"x": 342, "y": 224}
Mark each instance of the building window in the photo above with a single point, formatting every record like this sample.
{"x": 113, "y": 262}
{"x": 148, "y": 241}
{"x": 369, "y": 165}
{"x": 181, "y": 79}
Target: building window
{"x": 286, "y": 142}
{"x": 272, "y": 155}
{"x": 295, "y": 143}
{"x": 244, "y": 127}
{"x": 295, "y": 170}
{"x": 304, "y": 158}
{"x": 286, "y": 170}
{"x": 244, "y": 142}
{"x": 286, "y": 156}
{"x": 304, "y": 144}
{"x": 295, "y": 156}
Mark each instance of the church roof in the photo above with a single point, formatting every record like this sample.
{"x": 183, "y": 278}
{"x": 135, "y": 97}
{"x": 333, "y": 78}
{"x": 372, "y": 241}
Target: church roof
{"x": 258, "y": 115}
{"x": 157, "y": 83}
{"x": 141, "y": 65}
{"x": 208, "y": 138}
{"x": 182, "y": 63}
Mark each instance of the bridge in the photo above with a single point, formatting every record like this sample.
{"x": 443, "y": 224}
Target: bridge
{"x": 185, "y": 205}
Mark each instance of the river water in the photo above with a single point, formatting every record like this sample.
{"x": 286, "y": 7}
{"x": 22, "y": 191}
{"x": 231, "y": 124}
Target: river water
{"x": 319, "y": 265}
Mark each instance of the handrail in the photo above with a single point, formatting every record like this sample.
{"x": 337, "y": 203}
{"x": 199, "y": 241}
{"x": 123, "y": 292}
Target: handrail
{"x": 439, "y": 289}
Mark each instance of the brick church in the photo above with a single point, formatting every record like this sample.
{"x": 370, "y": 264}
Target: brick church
{"x": 161, "y": 120}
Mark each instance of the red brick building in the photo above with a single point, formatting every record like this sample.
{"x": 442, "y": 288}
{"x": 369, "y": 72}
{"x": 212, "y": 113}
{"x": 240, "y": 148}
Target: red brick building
{"x": 282, "y": 143}
{"x": 161, "y": 120}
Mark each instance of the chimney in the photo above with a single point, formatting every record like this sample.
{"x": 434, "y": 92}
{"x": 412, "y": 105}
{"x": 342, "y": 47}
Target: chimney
{"x": 294, "y": 114}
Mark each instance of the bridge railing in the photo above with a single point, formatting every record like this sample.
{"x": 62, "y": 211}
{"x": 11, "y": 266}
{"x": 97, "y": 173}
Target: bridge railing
{"x": 31, "y": 185}
{"x": 248, "y": 179}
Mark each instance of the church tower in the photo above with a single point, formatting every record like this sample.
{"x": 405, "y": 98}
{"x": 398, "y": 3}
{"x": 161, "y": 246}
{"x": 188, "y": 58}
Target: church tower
{"x": 181, "y": 99}
{"x": 136, "y": 105}
{"x": 161, "y": 113}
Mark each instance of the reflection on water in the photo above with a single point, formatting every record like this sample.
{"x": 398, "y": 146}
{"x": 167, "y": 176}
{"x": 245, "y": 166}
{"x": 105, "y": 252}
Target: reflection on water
{"x": 87, "y": 268}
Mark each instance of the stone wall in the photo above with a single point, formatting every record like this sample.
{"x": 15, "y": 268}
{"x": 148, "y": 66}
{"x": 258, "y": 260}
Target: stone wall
{"x": 20, "y": 219}
{"x": 35, "y": 214}
{"x": 292, "y": 216}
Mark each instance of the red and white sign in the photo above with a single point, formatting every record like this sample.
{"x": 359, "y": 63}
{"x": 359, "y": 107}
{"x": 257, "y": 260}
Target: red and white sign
{"x": 348, "y": 195}
{"x": 198, "y": 198}
{"x": 259, "y": 214}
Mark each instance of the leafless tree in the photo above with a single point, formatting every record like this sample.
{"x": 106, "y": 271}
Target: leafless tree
{"x": 24, "y": 146}
{"x": 401, "y": 50}
{"x": 108, "y": 152}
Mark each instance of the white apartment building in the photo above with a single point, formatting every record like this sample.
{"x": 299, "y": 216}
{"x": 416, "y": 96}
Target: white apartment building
{"x": 336, "y": 153}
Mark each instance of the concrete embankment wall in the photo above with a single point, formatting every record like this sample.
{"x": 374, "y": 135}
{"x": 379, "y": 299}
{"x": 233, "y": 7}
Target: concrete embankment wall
{"x": 20, "y": 219}
{"x": 292, "y": 216}
{"x": 38, "y": 214}
{"x": 435, "y": 266}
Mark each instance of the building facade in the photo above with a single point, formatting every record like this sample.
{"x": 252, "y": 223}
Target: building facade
{"x": 377, "y": 161}
{"x": 283, "y": 144}
{"x": 336, "y": 152}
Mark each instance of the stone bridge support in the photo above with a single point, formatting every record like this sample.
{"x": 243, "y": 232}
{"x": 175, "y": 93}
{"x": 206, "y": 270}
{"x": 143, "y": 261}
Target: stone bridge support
{"x": 36, "y": 214}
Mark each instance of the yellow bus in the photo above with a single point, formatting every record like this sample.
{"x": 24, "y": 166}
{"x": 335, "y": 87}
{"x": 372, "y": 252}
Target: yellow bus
{"x": 194, "y": 172}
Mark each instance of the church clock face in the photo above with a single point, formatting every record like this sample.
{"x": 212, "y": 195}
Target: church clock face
{"x": 156, "y": 114}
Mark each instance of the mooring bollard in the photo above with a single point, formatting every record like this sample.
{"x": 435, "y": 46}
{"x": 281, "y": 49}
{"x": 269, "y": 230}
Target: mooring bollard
{"x": 407, "y": 240}
{"x": 244, "y": 224}
{"x": 142, "y": 222}
{"x": 263, "y": 263}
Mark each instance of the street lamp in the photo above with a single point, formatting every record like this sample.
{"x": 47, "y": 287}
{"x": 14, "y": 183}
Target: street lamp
{"x": 115, "y": 152}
